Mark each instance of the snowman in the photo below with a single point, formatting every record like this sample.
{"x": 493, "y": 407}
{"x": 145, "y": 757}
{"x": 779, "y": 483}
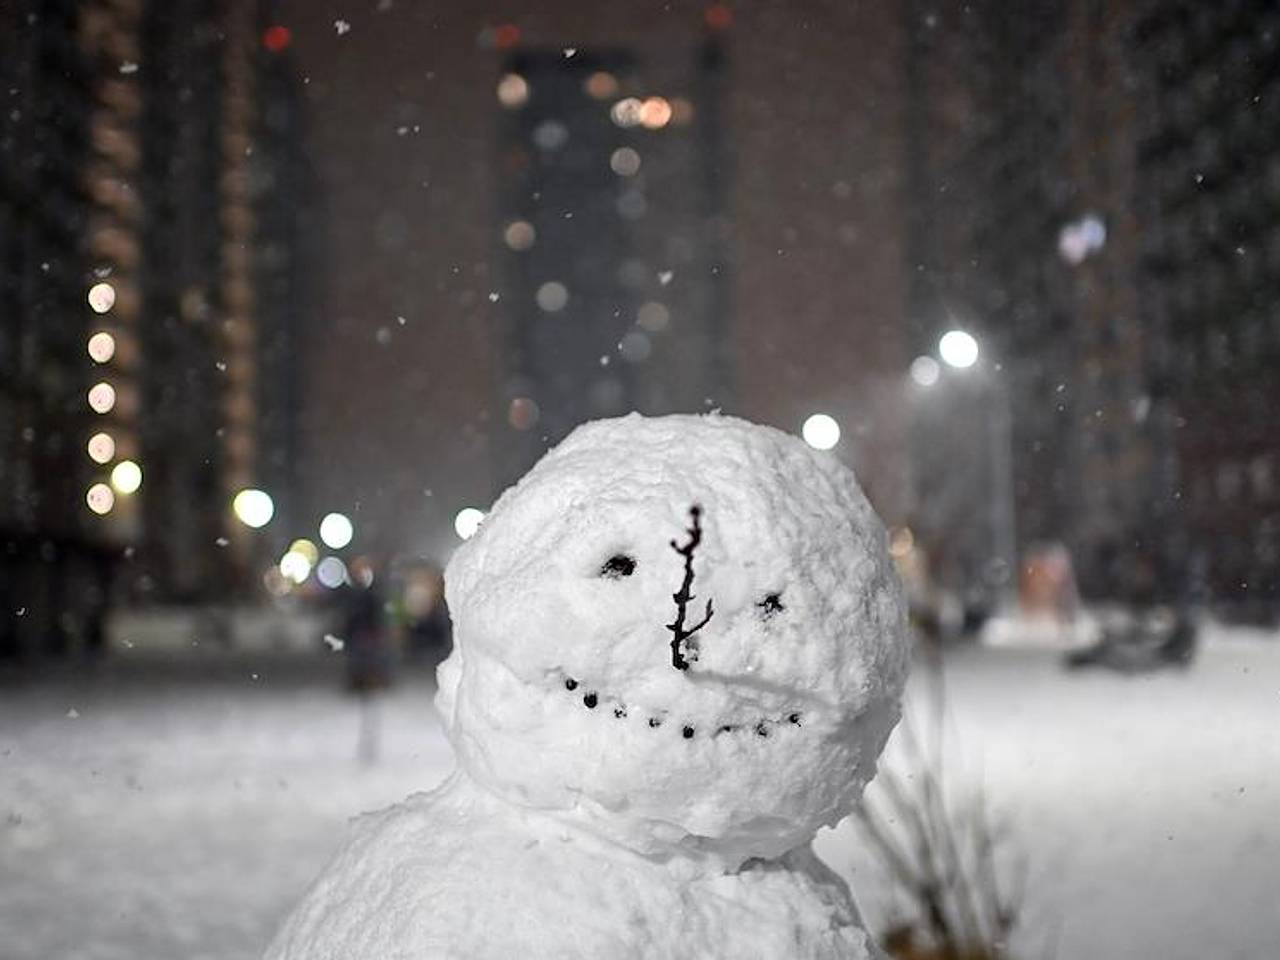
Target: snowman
{"x": 679, "y": 649}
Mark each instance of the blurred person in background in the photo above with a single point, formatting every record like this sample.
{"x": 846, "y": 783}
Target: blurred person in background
{"x": 428, "y": 632}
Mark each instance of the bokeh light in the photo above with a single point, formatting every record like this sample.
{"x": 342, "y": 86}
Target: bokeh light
{"x": 513, "y": 91}
{"x": 307, "y": 549}
{"x": 467, "y": 522}
{"x": 821, "y": 431}
{"x": 101, "y": 447}
{"x": 102, "y": 397}
{"x": 523, "y": 413}
{"x": 100, "y": 499}
{"x": 601, "y": 85}
{"x": 519, "y": 235}
{"x": 925, "y": 371}
{"x": 126, "y": 477}
{"x": 295, "y": 567}
{"x": 552, "y": 296}
{"x": 653, "y": 316}
{"x": 336, "y": 530}
{"x": 331, "y": 572}
{"x": 958, "y": 349}
{"x": 626, "y": 112}
{"x": 625, "y": 162}
{"x": 101, "y": 347}
{"x": 254, "y": 508}
{"x": 102, "y": 297}
{"x": 655, "y": 113}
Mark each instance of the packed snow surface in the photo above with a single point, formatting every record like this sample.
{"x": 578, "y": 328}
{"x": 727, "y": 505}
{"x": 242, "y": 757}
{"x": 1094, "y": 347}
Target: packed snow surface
{"x": 679, "y": 650}
{"x": 182, "y": 811}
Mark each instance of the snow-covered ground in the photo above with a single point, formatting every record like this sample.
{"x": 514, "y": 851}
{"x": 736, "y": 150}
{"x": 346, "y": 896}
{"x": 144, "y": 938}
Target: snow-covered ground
{"x": 176, "y": 811}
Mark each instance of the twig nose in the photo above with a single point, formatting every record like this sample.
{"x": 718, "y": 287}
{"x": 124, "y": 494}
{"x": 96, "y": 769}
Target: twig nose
{"x": 684, "y": 647}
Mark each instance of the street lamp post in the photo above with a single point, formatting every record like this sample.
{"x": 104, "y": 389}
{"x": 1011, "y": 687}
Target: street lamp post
{"x": 960, "y": 351}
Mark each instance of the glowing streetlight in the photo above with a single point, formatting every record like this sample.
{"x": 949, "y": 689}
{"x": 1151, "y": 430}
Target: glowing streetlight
{"x": 958, "y": 349}
{"x": 336, "y": 531}
{"x": 254, "y": 508}
{"x": 126, "y": 477}
{"x": 821, "y": 431}
{"x": 467, "y": 522}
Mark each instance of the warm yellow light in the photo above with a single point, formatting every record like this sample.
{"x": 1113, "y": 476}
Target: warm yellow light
{"x": 655, "y": 113}
{"x": 102, "y": 297}
{"x": 307, "y": 549}
{"x": 513, "y": 91}
{"x": 295, "y": 567}
{"x": 102, "y": 397}
{"x": 102, "y": 347}
{"x": 100, "y": 498}
{"x": 101, "y": 447}
{"x": 254, "y": 508}
{"x": 126, "y": 477}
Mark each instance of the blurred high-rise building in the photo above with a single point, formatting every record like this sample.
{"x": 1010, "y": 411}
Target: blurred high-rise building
{"x": 613, "y": 280}
{"x": 1090, "y": 200}
{"x": 152, "y": 273}
{"x": 1207, "y": 182}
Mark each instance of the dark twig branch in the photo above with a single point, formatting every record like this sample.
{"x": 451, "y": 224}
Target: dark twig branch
{"x": 682, "y": 643}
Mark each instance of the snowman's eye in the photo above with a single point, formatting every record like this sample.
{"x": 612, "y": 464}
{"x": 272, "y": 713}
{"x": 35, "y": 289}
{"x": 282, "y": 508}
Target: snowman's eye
{"x": 771, "y": 604}
{"x": 618, "y": 566}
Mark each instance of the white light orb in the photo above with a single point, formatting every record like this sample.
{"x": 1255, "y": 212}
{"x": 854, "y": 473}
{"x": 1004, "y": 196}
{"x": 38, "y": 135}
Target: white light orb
{"x": 331, "y": 572}
{"x": 254, "y": 508}
{"x": 821, "y": 431}
{"x": 295, "y": 567}
{"x": 102, "y": 397}
{"x": 101, "y": 347}
{"x": 102, "y": 297}
{"x": 100, "y": 498}
{"x": 101, "y": 447}
{"x": 958, "y": 349}
{"x": 467, "y": 522}
{"x": 126, "y": 477}
{"x": 336, "y": 531}
{"x": 925, "y": 371}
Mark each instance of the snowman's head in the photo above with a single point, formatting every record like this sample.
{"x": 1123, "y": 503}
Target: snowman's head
{"x": 685, "y": 631}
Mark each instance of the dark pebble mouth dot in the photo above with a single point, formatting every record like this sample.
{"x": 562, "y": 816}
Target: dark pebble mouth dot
{"x": 571, "y": 684}
{"x": 688, "y": 733}
{"x": 590, "y": 700}
{"x": 655, "y": 722}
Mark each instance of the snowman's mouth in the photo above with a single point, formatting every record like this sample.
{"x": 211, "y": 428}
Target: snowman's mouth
{"x": 609, "y": 705}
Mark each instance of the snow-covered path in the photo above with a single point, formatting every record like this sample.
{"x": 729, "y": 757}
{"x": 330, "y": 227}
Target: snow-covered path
{"x": 154, "y": 814}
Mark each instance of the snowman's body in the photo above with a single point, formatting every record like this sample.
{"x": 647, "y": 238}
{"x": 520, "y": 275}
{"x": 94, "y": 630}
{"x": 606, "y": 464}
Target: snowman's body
{"x": 679, "y": 650}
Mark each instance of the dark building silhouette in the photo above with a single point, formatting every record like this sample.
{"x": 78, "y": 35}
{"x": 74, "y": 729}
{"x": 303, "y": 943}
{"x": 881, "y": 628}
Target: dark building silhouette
{"x": 1207, "y": 183}
{"x": 154, "y": 237}
{"x": 1092, "y": 185}
{"x": 610, "y": 243}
